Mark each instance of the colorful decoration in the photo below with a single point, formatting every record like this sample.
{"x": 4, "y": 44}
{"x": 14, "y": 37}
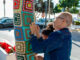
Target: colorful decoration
{"x": 27, "y": 18}
{"x": 17, "y": 19}
{"x": 17, "y": 5}
{"x": 27, "y": 33}
{"x": 28, "y": 48}
{"x": 30, "y": 57}
{"x": 20, "y": 47}
{"x": 20, "y": 57}
{"x": 28, "y": 5}
{"x": 23, "y": 17}
{"x": 19, "y": 34}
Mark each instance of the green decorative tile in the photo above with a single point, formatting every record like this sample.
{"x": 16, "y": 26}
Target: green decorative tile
{"x": 27, "y": 18}
{"x": 27, "y": 33}
{"x": 30, "y": 57}
{"x": 28, "y": 48}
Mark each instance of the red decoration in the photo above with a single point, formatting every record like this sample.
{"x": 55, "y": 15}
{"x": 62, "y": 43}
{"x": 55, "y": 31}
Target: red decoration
{"x": 14, "y": 48}
{"x": 6, "y": 47}
{"x": 16, "y": 4}
{"x": 27, "y": 6}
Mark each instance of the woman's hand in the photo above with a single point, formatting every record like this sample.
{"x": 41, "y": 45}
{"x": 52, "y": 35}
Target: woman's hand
{"x": 35, "y": 29}
{"x": 32, "y": 27}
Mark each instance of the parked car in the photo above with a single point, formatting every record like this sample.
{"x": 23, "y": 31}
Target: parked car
{"x": 6, "y": 22}
{"x": 41, "y": 22}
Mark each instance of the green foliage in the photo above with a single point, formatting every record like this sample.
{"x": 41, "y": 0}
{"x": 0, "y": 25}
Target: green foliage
{"x": 43, "y": 6}
{"x": 74, "y": 10}
{"x": 57, "y": 9}
{"x": 68, "y": 3}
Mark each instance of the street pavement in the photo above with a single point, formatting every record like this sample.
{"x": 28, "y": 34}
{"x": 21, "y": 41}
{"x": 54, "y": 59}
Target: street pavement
{"x": 75, "y": 55}
{"x": 76, "y": 38}
{"x": 8, "y": 34}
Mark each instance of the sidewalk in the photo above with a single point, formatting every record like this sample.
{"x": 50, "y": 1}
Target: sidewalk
{"x": 3, "y": 54}
{"x": 76, "y": 37}
{"x": 76, "y": 43}
{"x": 7, "y": 35}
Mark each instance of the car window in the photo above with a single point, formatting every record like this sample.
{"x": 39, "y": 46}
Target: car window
{"x": 4, "y": 21}
{"x": 9, "y": 21}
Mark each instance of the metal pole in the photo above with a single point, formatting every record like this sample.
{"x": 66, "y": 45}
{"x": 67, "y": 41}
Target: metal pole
{"x": 49, "y": 10}
{"x": 45, "y": 13}
{"x": 4, "y": 7}
{"x": 34, "y": 10}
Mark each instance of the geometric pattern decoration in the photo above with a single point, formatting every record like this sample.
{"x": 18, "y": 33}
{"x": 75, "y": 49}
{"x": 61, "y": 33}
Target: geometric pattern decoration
{"x": 30, "y": 57}
{"x": 19, "y": 35}
{"x": 17, "y": 19}
{"x": 27, "y": 33}
{"x": 17, "y": 5}
{"x": 27, "y": 18}
{"x": 20, "y": 57}
{"x": 20, "y": 47}
{"x": 28, "y": 48}
{"x": 23, "y": 17}
{"x": 28, "y": 5}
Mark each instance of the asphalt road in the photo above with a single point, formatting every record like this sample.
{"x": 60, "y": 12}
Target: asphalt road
{"x": 8, "y": 34}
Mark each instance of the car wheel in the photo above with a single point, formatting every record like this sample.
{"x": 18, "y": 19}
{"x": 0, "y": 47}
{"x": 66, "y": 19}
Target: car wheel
{"x": 1, "y": 26}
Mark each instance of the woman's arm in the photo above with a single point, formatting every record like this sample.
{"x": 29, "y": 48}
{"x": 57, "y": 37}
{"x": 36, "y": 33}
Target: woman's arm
{"x": 54, "y": 41}
{"x": 34, "y": 44}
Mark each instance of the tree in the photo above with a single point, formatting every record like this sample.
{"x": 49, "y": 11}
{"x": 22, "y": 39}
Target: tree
{"x": 40, "y": 1}
{"x": 43, "y": 6}
{"x": 68, "y": 3}
{"x": 57, "y": 9}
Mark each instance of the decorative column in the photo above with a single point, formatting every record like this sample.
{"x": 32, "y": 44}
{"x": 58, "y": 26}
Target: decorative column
{"x": 23, "y": 17}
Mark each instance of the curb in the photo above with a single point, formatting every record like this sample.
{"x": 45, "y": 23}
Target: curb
{"x": 76, "y": 43}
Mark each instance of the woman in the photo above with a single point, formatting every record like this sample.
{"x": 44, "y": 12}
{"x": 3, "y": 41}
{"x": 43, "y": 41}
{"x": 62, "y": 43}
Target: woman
{"x": 59, "y": 43}
{"x": 45, "y": 33}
